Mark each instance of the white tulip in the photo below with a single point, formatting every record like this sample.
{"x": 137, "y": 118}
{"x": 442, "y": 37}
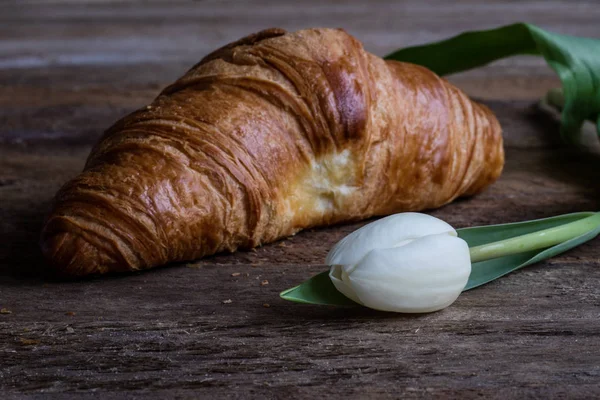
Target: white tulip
{"x": 408, "y": 262}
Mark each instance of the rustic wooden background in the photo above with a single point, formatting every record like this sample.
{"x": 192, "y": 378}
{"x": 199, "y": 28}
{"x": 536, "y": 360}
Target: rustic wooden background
{"x": 69, "y": 69}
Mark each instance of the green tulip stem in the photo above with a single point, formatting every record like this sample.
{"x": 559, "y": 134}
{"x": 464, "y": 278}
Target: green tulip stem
{"x": 534, "y": 241}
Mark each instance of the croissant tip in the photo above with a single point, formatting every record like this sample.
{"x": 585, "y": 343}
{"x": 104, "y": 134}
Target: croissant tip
{"x": 68, "y": 254}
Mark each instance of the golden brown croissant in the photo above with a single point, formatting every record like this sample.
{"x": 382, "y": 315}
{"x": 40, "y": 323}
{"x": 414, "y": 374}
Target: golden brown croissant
{"x": 264, "y": 137}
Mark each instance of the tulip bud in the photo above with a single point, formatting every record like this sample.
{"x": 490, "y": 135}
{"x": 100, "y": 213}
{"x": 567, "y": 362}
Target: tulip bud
{"x": 408, "y": 262}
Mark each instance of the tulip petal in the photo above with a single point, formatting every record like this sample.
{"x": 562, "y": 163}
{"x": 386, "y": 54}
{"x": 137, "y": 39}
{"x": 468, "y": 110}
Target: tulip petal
{"x": 425, "y": 275}
{"x": 395, "y": 230}
{"x": 342, "y": 285}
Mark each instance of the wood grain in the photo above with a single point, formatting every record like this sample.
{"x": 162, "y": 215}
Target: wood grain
{"x": 67, "y": 70}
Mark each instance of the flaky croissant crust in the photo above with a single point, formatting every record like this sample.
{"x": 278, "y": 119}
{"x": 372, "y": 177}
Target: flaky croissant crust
{"x": 264, "y": 137}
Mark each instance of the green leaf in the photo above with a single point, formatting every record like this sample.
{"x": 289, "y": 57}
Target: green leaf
{"x": 576, "y": 60}
{"x": 317, "y": 290}
{"x": 486, "y": 271}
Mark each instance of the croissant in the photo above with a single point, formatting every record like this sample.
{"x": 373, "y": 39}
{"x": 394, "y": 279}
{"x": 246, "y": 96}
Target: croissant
{"x": 267, "y": 136}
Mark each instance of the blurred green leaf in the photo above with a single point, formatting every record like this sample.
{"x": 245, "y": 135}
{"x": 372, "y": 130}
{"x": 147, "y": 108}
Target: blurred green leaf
{"x": 576, "y": 60}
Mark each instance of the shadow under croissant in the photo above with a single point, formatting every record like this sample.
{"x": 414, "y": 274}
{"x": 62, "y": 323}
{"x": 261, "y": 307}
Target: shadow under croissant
{"x": 21, "y": 256}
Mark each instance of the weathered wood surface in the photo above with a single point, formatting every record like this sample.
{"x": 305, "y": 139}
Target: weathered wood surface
{"x": 68, "y": 70}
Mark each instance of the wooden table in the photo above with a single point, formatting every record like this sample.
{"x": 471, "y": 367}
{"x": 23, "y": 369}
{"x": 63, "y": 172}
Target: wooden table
{"x": 68, "y": 70}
